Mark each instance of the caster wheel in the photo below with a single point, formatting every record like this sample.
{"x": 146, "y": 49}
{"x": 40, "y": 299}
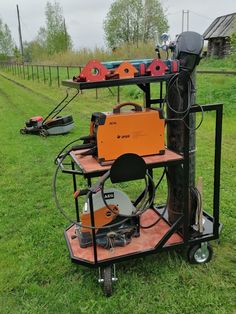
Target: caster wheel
{"x": 43, "y": 133}
{"x": 106, "y": 274}
{"x": 200, "y": 253}
{"x": 23, "y": 131}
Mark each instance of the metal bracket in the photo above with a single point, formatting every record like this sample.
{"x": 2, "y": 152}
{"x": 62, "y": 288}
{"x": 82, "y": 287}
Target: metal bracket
{"x": 126, "y": 70}
{"x": 114, "y": 278}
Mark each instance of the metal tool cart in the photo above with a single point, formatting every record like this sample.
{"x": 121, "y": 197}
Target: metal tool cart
{"x": 163, "y": 235}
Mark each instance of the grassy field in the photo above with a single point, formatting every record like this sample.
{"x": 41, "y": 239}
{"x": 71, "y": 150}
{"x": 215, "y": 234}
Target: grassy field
{"x": 36, "y": 273}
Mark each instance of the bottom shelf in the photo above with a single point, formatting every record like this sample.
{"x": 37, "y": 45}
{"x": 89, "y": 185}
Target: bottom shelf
{"x": 147, "y": 241}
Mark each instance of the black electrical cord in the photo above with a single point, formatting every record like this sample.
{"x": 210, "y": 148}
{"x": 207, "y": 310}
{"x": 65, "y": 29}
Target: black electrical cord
{"x": 144, "y": 207}
{"x": 164, "y": 211}
{"x": 81, "y": 146}
{"x": 54, "y": 188}
{"x": 182, "y": 120}
{"x": 173, "y": 82}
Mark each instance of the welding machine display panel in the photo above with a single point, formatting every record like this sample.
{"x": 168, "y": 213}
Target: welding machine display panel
{"x": 141, "y": 133}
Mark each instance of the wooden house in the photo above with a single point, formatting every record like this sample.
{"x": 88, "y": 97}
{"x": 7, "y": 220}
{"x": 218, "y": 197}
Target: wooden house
{"x": 218, "y": 35}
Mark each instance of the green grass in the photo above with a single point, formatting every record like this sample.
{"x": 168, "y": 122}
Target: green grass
{"x": 36, "y": 273}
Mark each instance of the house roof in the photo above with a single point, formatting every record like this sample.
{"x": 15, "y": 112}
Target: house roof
{"x": 222, "y": 26}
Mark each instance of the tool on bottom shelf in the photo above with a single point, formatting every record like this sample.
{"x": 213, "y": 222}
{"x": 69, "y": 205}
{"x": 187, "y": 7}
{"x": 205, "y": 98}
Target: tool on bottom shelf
{"x": 113, "y": 216}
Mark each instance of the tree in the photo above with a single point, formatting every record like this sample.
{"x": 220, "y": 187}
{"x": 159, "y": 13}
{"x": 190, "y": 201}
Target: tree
{"x": 6, "y": 41}
{"x": 233, "y": 43}
{"x": 55, "y": 34}
{"x": 134, "y": 21}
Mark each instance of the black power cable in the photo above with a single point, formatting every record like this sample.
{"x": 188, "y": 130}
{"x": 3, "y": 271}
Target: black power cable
{"x": 63, "y": 212}
{"x": 144, "y": 207}
{"x": 160, "y": 216}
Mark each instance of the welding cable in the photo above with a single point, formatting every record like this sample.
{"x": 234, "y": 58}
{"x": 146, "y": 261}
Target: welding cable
{"x": 174, "y": 82}
{"x": 72, "y": 148}
{"x": 182, "y": 120}
{"x": 63, "y": 212}
{"x": 161, "y": 216}
{"x": 144, "y": 207}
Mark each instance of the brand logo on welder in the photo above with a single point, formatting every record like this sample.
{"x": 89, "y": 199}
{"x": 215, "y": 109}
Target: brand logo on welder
{"x": 123, "y": 136}
{"x": 109, "y": 195}
{"x": 112, "y": 123}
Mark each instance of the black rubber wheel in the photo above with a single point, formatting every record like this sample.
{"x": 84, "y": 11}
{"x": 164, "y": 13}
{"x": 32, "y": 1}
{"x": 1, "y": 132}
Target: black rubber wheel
{"x": 23, "y": 131}
{"x": 196, "y": 255}
{"x": 43, "y": 133}
{"x": 106, "y": 273}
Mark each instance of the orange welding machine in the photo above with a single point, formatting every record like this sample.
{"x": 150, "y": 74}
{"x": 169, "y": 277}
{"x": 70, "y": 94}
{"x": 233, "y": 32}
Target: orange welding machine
{"x": 139, "y": 131}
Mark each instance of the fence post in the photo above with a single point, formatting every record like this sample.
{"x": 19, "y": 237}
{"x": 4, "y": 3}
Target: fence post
{"x": 32, "y": 72}
{"x": 50, "y": 75}
{"x": 68, "y": 73}
{"x": 58, "y": 76}
{"x": 28, "y": 72}
{"x": 23, "y": 71}
{"x": 37, "y": 69}
{"x": 44, "y": 77}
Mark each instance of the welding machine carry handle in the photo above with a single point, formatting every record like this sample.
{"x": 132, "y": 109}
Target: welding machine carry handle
{"x": 117, "y": 108}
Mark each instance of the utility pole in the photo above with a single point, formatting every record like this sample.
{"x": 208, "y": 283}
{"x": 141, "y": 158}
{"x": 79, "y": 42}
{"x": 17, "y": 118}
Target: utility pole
{"x": 183, "y": 17}
{"x": 20, "y": 35}
{"x": 65, "y": 33}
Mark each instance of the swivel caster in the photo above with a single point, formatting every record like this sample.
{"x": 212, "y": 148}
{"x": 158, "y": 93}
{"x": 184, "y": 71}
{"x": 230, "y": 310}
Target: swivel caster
{"x": 106, "y": 277}
{"x": 200, "y": 253}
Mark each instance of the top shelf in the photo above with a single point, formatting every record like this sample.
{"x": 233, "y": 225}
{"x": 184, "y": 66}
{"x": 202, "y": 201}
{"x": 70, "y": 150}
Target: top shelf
{"x": 118, "y": 82}
{"x": 91, "y": 168}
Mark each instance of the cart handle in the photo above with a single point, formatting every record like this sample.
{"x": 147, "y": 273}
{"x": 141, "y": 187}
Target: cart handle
{"x": 117, "y": 108}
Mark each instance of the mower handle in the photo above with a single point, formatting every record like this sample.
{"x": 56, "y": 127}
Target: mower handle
{"x": 117, "y": 108}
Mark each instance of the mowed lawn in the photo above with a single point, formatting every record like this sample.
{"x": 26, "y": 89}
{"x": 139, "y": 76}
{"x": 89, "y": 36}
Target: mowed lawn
{"x": 36, "y": 275}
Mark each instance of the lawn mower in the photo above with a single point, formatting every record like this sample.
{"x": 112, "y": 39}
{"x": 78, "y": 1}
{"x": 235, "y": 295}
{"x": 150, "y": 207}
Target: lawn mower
{"x": 53, "y": 124}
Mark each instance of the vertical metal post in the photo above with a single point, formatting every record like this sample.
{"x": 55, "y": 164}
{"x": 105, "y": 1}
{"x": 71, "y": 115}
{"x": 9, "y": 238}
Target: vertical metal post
{"x": 186, "y": 189}
{"x": 161, "y": 93}
{"x": 75, "y": 189}
{"x": 182, "y": 21}
{"x": 118, "y": 94}
{"x": 28, "y": 75}
{"x": 93, "y": 225}
{"x": 68, "y": 73}
{"x": 217, "y": 161}
{"x": 147, "y": 95}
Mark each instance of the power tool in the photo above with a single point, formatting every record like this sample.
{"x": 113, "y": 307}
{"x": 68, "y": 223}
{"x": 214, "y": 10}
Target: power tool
{"x": 139, "y": 131}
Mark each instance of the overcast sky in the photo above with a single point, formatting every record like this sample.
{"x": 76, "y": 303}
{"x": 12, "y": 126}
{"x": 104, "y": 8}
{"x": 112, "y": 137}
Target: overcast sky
{"x": 84, "y": 18}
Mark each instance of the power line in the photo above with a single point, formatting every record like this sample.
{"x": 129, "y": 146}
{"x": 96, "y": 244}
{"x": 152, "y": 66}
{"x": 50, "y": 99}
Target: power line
{"x": 198, "y": 14}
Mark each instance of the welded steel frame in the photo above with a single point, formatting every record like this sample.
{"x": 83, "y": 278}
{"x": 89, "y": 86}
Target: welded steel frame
{"x": 183, "y": 221}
